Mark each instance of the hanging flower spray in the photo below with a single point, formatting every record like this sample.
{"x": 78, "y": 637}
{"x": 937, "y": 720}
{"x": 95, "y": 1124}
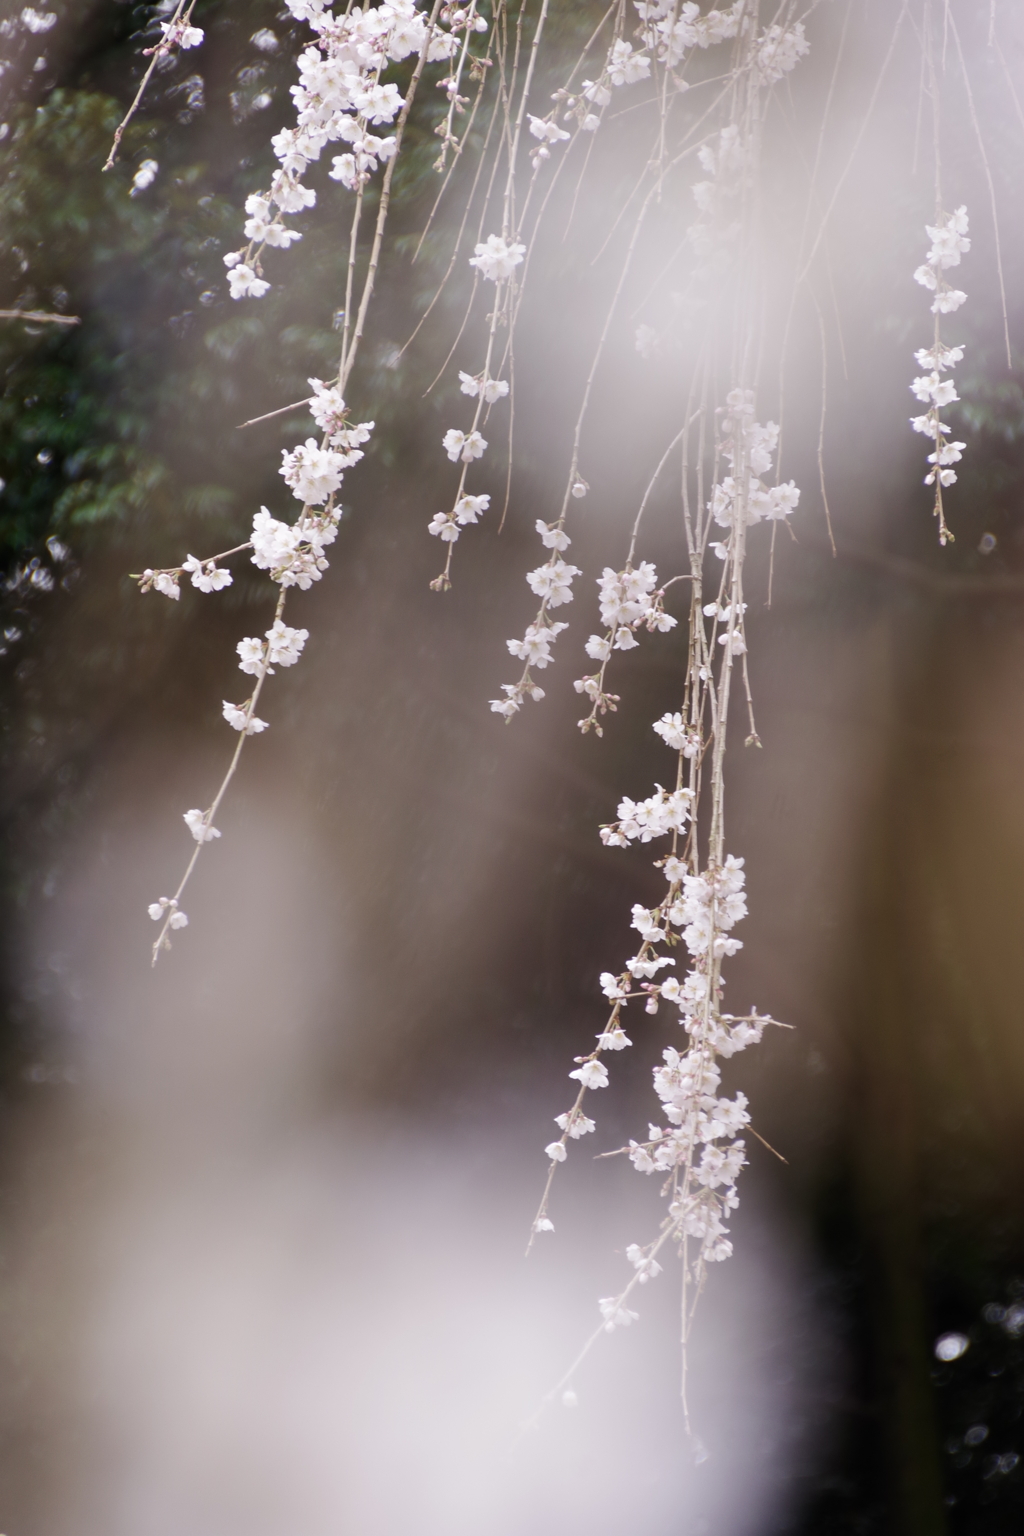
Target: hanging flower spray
{"x": 704, "y": 155}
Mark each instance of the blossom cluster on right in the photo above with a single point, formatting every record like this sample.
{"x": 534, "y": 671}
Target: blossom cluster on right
{"x": 949, "y": 242}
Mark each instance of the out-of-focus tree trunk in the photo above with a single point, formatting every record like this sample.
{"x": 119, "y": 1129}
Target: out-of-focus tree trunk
{"x": 890, "y": 1076}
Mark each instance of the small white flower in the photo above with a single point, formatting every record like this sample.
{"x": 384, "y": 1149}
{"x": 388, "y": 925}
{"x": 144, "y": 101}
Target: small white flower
{"x": 592, "y": 1074}
{"x": 556, "y": 1152}
{"x": 611, "y": 988}
{"x": 284, "y": 644}
{"x": 783, "y": 500}
{"x": 613, "y": 1039}
{"x": 548, "y": 132}
{"x": 164, "y": 582}
{"x": 236, "y": 716}
{"x": 468, "y": 508}
{"x": 245, "y": 284}
{"x": 443, "y": 526}
{"x": 463, "y": 445}
{"x": 208, "y": 576}
{"x": 553, "y": 582}
{"x": 312, "y": 472}
{"x": 626, "y": 67}
{"x": 491, "y": 390}
{"x": 196, "y": 822}
{"x": 290, "y": 195}
{"x": 576, "y": 1125}
{"x": 615, "y": 1315}
{"x": 551, "y": 536}
{"x": 646, "y": 1269}
{"x": 496, "y": 259}
{"x": 250, "y": 652}
{"x": 167, "y": 907}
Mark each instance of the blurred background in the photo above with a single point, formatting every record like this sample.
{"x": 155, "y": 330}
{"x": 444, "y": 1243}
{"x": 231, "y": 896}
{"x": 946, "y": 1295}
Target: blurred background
{"x": 264, "y": 1209}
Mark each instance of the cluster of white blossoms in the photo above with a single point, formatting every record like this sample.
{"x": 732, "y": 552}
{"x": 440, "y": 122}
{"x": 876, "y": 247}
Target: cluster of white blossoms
{"x": 281, "y": 647}
{"x": 339, "y": 98}
{"x": 727, "y": 162}
{"x": 466, "y": 446}
{"x": 167, "y": 908}
{"x": 480, "y": 386}
{"x": 709, "y": 905}
{"x": 628, "y": 602}
{"x": 198, "y": 823}
{"x": 496, "y": 258}
{"x": 700, "y": 1144}
{"x": 780, "y": 50}
{"x": 749, "y": 448}
{"x": 677, "y": 734}
{"x": 624, "y": 65}
{"x": 293, "y": 555}
{"x": 313, "y": 471}
{"x": 241, "y": 718}
{"x": 640, "y": 821}
{"x": 535, "y": 646}
{"x": 702, "y": 1126}
{"x": 672, "y": 29}
{"x": 447, "y": 525}
{"x": 205, "y": 575}
{"x": 949, "y": 241}
{"x": 548, "y": 132}
{"x": 552, "y": 583}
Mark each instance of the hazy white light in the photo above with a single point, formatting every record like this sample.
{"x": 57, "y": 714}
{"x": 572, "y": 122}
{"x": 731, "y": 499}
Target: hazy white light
{"x": 951, "y": 1346}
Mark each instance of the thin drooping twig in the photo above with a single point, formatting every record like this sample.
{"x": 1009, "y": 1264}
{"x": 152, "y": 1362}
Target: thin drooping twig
{"x": 349, "y": 354}
{"x": 281, "y": 411}
{"x": 158, "y": 54}
{"x": 39, "y": 317}
{"x": 991, "y": 189}
{"x": 838, "y": 184}
{"x": 162, "y": 942}
{"x": 821, "y": 424}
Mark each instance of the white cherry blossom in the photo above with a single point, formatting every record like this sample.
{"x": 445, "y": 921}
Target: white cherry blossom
{"x": 496, "y": 258}
{"x": 207, "y": 575}
{"x": 197, "y": 824}
{"x": 237, "y": 717}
